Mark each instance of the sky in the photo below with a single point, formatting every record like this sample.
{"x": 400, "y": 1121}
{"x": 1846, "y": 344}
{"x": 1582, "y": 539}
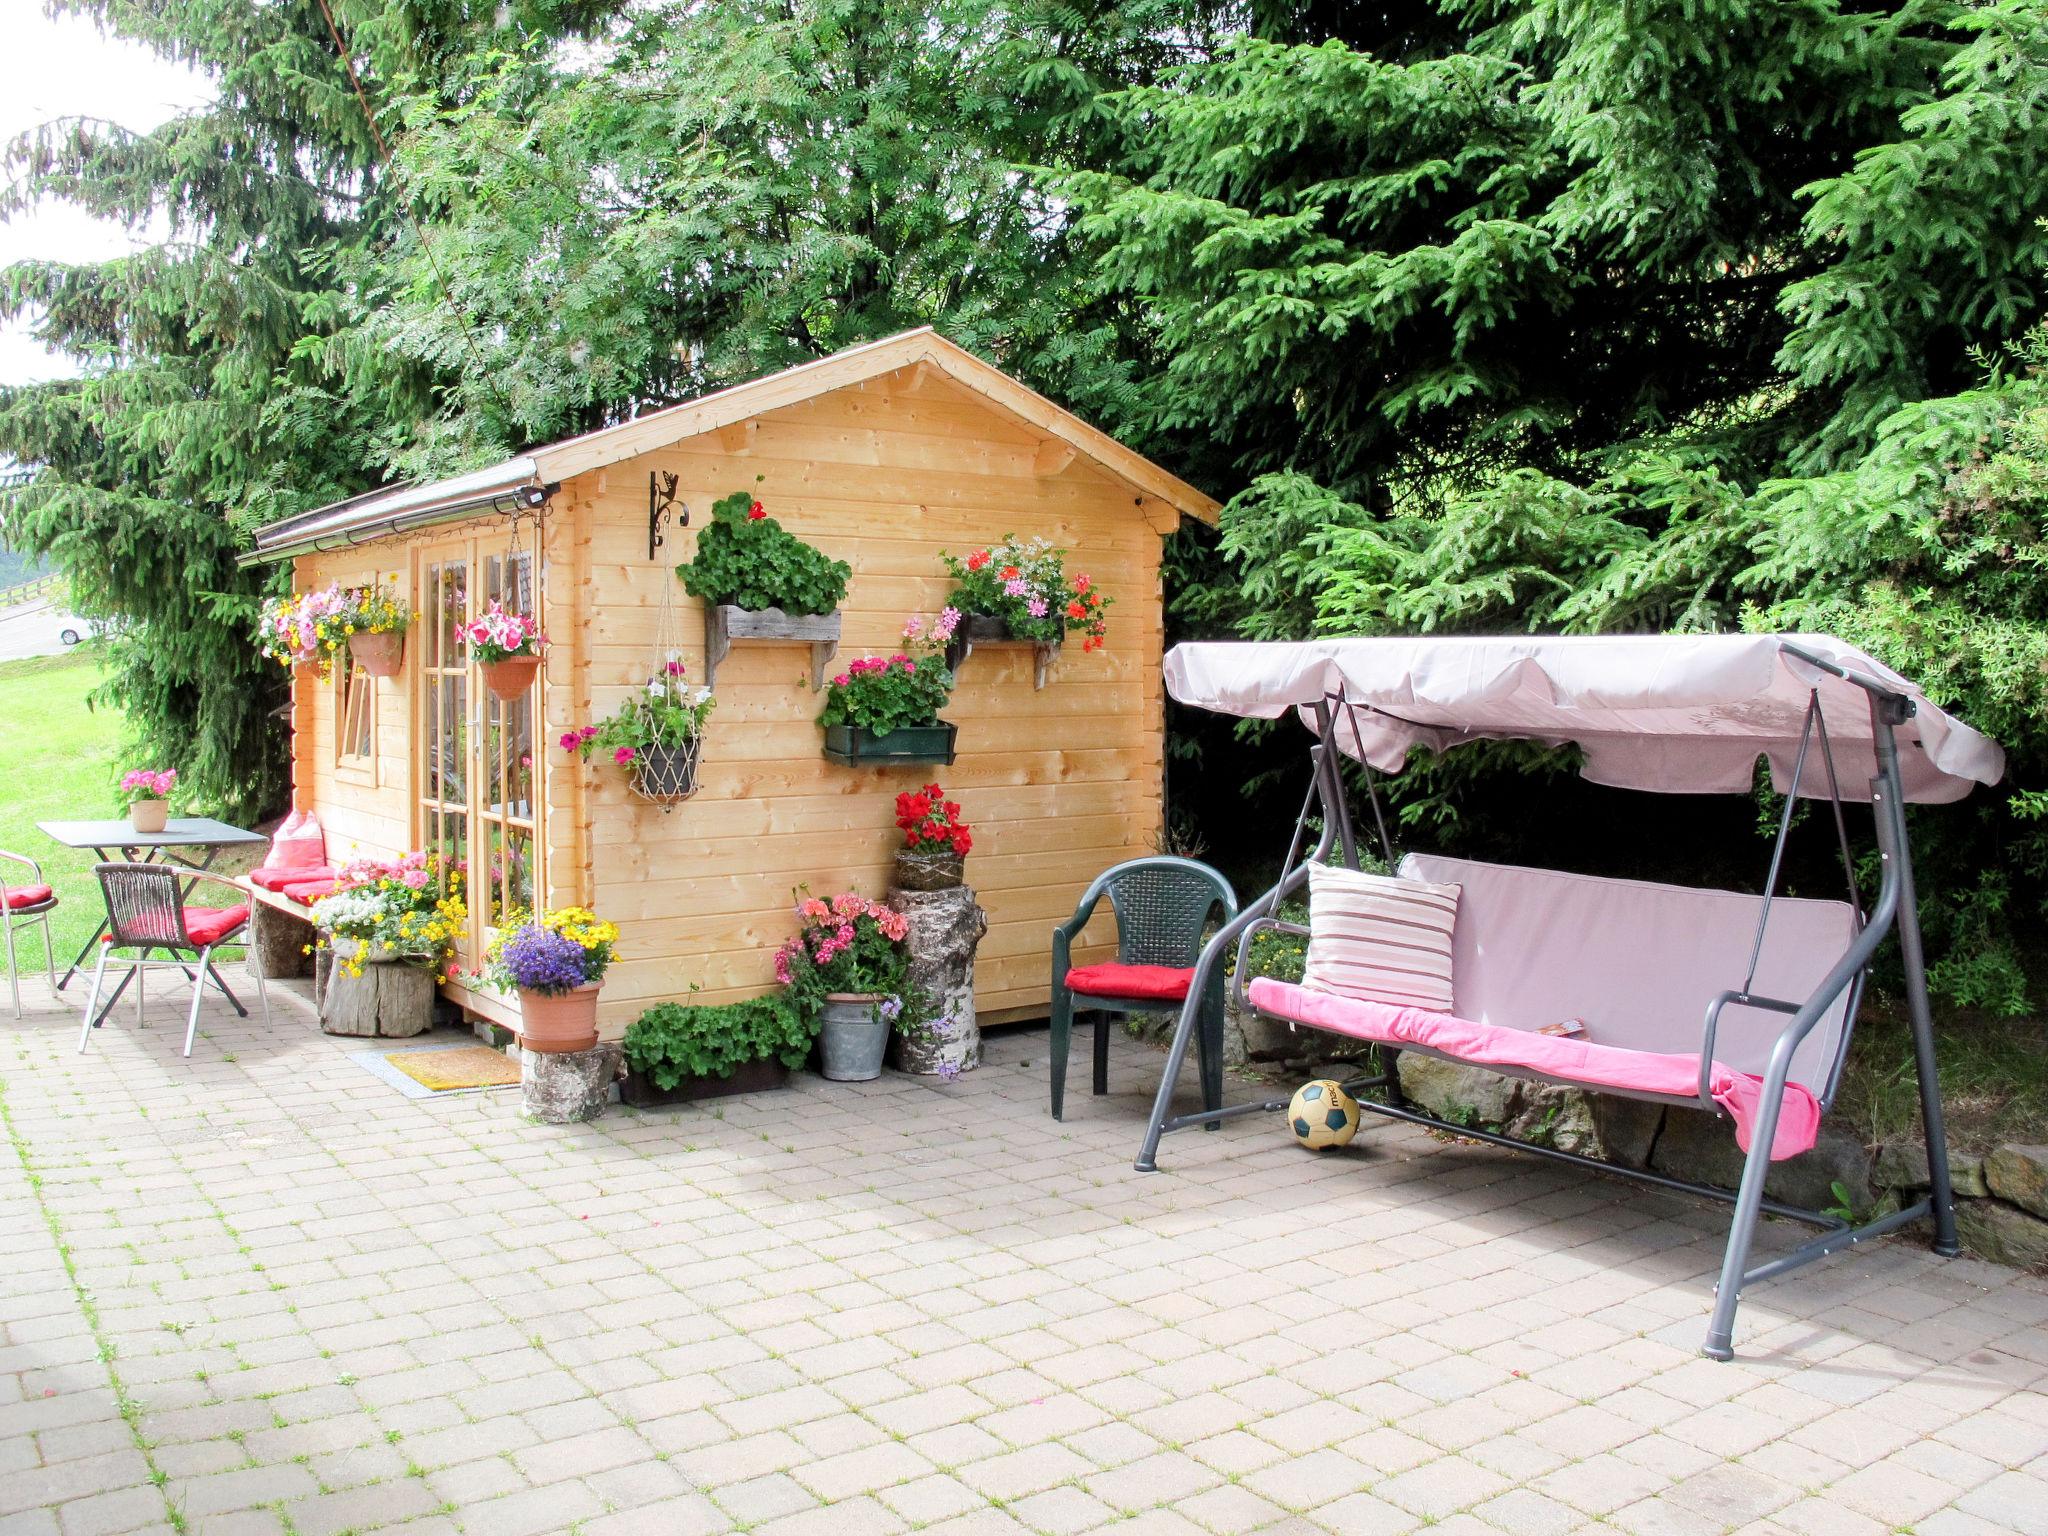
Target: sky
{"x": 65, "y": 68}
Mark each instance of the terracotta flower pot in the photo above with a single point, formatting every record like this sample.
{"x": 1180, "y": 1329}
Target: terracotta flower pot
{"x": 509, "y": 679}
{"x": 381, "y": 654}
{"x": 148, "y": 815}
{"x": 556, "y": 1022}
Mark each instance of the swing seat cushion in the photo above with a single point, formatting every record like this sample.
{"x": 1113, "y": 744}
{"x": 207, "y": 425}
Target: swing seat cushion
{"x": 1581, "y": 1063}
{"x": 1153, "y": 983}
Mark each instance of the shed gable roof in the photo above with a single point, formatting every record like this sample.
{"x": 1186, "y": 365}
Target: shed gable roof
{"x": 516, "y": 481}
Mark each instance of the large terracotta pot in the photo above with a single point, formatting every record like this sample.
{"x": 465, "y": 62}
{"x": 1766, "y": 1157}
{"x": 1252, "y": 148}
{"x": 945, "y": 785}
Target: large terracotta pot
{"x": 556, "y": 1022}
{"x": 851, "y": 1039}
{"x": 381, "y": 654}
{"x": 510, "y": 678}
{"x": 148, "y": 815}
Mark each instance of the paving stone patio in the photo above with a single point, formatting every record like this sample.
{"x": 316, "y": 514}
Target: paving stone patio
{"x": 260, "y": 1291}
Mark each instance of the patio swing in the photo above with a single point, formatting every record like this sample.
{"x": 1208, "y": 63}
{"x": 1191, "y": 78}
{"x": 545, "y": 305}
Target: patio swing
{"x": 1733, "y": 1003}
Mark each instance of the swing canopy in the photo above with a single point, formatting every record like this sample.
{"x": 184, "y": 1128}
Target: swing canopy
{"x": 1676, "y": 713}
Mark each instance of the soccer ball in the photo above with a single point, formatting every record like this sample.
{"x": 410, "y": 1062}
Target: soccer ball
{"x": 1323, "y": 1115}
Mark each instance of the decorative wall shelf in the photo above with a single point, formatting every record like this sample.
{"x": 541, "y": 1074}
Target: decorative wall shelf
{"x": 725, "y": 624}
{"x": 985, "y": 630}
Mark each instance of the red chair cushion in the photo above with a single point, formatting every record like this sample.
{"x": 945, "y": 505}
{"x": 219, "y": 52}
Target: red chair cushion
{"x": 279, "y": 879}
{"x": 19, "y": 896}
{"x": 209, "y": 925}
{"x": 1160, "y": 983}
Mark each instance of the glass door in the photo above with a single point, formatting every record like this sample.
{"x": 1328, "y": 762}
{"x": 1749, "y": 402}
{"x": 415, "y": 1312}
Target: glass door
{"x": 479, "y": 764}
{"x": 507, "y": 770}
{"x": 443, "y": 738}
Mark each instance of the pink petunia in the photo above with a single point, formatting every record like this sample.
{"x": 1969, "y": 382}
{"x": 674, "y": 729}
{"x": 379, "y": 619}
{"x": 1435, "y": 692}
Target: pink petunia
{"x": 623, "y": 756}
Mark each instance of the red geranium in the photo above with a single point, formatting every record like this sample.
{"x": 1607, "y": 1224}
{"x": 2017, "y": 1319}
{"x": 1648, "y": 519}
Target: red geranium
{"x": 977, "y": 560}
{"x": 756, "y": 512}
{"x": 932, "y": 823}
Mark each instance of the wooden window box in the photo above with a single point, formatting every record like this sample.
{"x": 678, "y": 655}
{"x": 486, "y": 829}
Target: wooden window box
{"x": 986, "y": 629}
{"x": 725, "y": 624}
{"x": 852, "y": 745}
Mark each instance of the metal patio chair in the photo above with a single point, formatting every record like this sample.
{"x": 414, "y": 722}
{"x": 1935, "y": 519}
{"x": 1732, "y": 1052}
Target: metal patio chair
{"x": 1162, "y": 908}
{"x": 146, "y": 911}
{"x": 32, "y": 902}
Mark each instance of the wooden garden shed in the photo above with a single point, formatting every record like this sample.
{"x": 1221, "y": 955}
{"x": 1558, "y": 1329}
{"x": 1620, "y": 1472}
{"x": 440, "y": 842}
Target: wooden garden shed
{"x": 883, "y": 456}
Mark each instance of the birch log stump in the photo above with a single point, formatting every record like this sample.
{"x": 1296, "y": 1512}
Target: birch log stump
{"x": 391, "y": 1000}
{"x": 945, "y": 927}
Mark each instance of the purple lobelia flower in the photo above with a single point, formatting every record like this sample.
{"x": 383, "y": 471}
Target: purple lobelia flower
{"x": 542, "y": 961}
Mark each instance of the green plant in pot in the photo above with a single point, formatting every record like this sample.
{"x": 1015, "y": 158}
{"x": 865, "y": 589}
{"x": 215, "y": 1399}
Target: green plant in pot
{"x": 886, "y": 708}
{"x": 678, "y": 1052}
{"x": 746, "y": 559}
{"x": 848, "y": 966}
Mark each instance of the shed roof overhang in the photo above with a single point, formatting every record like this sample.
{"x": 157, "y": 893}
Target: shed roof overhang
{"x": 526, "y": 480}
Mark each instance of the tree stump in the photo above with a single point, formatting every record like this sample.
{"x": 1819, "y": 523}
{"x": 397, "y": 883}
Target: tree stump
{"x": 392, "y": 1000}
{"x": 279, "y": 944}
{"x": 565, "y": 1087}
{"x": 945, "y": 927}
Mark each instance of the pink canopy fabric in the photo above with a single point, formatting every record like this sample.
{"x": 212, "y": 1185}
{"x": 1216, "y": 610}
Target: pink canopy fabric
{"x": 1677, "y": 713}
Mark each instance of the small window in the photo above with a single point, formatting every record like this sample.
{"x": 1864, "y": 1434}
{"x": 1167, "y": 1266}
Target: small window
{"x": 356, "y": 713}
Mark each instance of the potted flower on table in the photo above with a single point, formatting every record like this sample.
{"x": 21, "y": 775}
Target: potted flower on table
{"x": 656, "y": 735}
{"x": 885, "y": 709}
{"x": 848, "y": 966}
{"x": 507, "y": 647}
{"x": 146, "y": 791}
{"x": 556, "y": 963}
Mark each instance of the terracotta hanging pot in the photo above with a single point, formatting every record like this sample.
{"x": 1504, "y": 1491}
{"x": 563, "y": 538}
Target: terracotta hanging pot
{"x": 511, "y": 678}
{"x": 381, "y": 654}
{"x": 553, "y": 1023}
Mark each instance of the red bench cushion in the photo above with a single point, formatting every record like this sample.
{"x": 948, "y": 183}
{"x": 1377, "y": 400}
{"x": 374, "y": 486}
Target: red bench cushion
{"x": 306, "y": 892}
{"x": 1154, "y": 983}
{"x": 279, "y": 879}
{"x": 209, "y": 925}
{"x": 19, "y": 896}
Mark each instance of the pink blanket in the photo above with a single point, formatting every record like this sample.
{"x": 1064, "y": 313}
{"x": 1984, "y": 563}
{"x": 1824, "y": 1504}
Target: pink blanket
{"x": 1563, "y": 1058}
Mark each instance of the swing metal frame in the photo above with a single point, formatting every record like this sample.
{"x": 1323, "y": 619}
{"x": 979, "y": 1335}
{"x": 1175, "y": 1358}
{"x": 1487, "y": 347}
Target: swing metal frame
{"x": 1894, "y": 910}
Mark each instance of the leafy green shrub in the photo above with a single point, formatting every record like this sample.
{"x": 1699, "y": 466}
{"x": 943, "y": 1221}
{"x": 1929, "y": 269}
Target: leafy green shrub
{"x": 672, "y": 1041}
{"x": 746, "y": 558}
{"x": 1276, "y": 954}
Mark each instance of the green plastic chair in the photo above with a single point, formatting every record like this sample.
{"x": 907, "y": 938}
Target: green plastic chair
{"x": 1162, "y": 907}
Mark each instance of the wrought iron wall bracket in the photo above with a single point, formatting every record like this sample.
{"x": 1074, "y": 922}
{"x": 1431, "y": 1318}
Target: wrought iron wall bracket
{"x": 661, "y": 502}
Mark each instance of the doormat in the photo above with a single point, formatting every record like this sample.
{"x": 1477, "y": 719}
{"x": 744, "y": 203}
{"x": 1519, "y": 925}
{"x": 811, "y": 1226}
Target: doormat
{"x": 469, "y": 1066}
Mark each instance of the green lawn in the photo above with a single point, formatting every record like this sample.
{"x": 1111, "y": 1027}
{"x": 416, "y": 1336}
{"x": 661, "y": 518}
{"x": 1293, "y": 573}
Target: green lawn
{"x": 56, "y": 761}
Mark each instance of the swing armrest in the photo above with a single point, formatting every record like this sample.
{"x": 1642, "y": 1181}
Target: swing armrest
{"x": 1250, "y": 931}
{"x": 1713, "y": 1024}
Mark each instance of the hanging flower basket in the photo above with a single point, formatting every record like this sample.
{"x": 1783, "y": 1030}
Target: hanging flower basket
{"x": 511, "y": 678}
{"x": 667, "y": 775}
{"x": 381, "y": 654}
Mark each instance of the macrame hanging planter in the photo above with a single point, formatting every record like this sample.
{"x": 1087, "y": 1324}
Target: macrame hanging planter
{"x": 667, "y": 776}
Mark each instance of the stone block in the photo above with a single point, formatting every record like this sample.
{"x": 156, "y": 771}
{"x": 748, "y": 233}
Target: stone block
{"x": 564, "y": 1087}
{"x": 1698, "y": 1146}
{"x": 1902, "y": 1164}
{"x": 2019, "y": 1174}
{"x": 1591, "y": 1125}
{"x": 280, "y": 945}
{"x": 2002, "y": 1233}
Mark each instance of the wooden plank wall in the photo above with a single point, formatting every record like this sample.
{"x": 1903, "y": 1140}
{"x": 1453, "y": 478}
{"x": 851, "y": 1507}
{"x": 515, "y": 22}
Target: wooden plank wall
{"x": 364, "y": 811}
{"x": 1058, "y": 783}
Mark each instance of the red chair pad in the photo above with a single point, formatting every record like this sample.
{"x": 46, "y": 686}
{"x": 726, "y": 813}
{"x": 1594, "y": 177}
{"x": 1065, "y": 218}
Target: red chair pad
{"x": 209, "y": 925}
{"x": 19, "y": 896}
{"x": 1155, "y": 983}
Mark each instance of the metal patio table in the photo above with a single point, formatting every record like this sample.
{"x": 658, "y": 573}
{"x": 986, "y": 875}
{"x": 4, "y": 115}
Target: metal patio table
{"x": 117, "y": 841}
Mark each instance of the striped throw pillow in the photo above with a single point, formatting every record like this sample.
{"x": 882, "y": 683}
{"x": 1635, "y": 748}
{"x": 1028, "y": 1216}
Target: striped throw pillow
{"x": 1380, "y": 938}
